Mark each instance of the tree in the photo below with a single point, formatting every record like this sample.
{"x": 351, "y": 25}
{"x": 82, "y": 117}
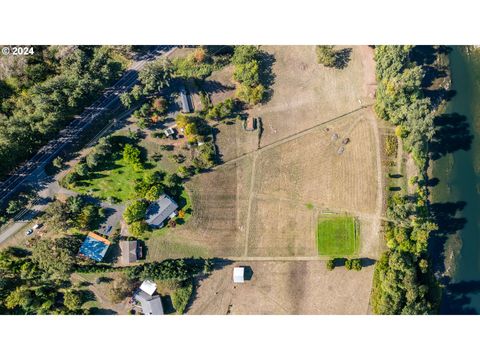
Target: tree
{"x": 14, "y": 206}
{"x": 56, "y": 256}
{"x": 132, "y": 156}
{"x": 138, "y": 228}
{"x": 356, "y": 264}
{"x": 154, "y": 76}
{"x": 330, "y": 264}
{"x": 120, "y": 288}
{"x": 126, "y": 100}
{"x": 58, "y": 162}
{"x": 326, "y": 55}
{"x": 135, "y": 211}
{"x": 159, "y": 104}
{"x": 72, "y": 300}
{"x": 154, "y": 193}
{"x": 348, "y": 264}
{"x": 181, "y": 296}
{"x": 251, "y": 95}
{"x": 92, "y": 160}
{"x": 244, "y": 54}
{"x": 81, "y": 169}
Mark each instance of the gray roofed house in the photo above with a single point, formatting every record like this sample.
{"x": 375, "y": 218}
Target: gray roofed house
{"x": 151, "y": 305}
{"x": 129, "y": 251}
{"x": 161, "y": 210}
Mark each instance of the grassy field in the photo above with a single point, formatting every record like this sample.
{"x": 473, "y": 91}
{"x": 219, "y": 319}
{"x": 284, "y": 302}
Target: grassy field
{"x": 337, "y": 236}
{"x": 116, "y": 181}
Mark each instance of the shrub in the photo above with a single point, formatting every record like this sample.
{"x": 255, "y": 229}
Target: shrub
{"x": 357, "y": 264}
{"x": 330, "y": 264}
{"x": 181, "y": 296}
{"x": 348, "y": 264}
{"x": 138, "y": 228}
{"x": 326, "y": 55}
{"x": 391, "y": 144}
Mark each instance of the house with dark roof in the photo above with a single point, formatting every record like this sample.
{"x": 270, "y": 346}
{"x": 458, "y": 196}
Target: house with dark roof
{"x": 130, "y": 251}
{"x": 151, "y": 304}
{"x": 94, "y": 247}
{"x": 161, "y": 210}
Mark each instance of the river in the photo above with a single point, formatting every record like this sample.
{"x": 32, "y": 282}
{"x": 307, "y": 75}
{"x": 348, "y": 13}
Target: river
{"x": 456, "y": 197}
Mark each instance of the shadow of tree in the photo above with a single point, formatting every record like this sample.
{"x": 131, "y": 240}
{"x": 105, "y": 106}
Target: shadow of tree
{"x": 456, "y": 298}
{"x": 444, "y": 215}
{"x": 452, "y": 134}
{"x": 342, "y": 58}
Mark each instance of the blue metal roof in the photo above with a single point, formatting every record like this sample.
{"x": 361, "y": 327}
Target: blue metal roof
{"x": 93, "y": 248}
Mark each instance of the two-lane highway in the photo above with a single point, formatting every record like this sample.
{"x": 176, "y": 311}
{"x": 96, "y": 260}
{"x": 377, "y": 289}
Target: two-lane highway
{"x": 108, "y": 101}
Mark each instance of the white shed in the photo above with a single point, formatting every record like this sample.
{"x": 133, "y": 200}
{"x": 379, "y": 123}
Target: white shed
{"x": 149, "y": 287}
{"x": 238, "y": 275}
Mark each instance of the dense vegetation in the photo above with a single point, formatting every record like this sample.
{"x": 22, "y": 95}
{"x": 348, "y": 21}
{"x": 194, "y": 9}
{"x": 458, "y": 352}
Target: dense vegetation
{"x": 56, "y": 83}
{"x": 251, "y": 73}
{"x": 403, "y": 282}
{"x": 35, "y": 282}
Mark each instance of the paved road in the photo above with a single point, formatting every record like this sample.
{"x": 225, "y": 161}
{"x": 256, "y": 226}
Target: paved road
{"x": 32, "y": 170}
{"x": 108, "y": 101}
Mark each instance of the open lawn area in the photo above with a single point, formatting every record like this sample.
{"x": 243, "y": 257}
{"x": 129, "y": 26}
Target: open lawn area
{"x": 115, "y": 182}
{"x": 337, "y": 236}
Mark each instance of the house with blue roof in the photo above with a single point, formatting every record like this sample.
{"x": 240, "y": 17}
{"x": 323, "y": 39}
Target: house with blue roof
{"x": 94, "y": 247}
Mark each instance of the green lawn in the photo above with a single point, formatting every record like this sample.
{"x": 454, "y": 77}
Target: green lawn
{"x": 116, "y": 181}
{"x": 337, "y": 236}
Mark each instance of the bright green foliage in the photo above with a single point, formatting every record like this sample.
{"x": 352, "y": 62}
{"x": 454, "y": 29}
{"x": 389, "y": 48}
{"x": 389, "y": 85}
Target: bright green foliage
{"x": 181, "y": 296}
{"x": 135, "y": 211}
{"x": 330, "y": 264}
{"x": 205, "y": 157}
{"x": 326, "y": 55}
{"x": 132, "y": 156}
{"x": 72, "y": 300}
{"x": 138, "y": 228}
{"x": 399, "y": 98}
{"x": 400, "y": 287}
{"x": 337, "y": 236}
{"x": 221, "y": 111}
{"x": 248, "y": 69}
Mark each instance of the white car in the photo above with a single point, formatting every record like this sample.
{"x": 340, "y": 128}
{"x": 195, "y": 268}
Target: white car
{"x": 36, "y": 226}
{"x": 29, "y": 232}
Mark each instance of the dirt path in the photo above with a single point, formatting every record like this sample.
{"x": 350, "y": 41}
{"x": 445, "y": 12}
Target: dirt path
{"x": 251, "y": 196}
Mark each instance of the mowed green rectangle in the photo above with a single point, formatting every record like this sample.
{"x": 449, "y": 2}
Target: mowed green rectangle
{"x": 337, "y": 236}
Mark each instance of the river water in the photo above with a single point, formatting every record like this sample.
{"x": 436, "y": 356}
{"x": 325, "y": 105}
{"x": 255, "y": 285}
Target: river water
{"x": 456, "y": 197}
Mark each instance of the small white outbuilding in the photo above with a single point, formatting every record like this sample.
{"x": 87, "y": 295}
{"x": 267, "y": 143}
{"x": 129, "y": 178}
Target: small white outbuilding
{"x": 149, "y": 287}
{"x": 238, "y": 274}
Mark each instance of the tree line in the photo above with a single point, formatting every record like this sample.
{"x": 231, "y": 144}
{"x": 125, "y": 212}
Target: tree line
{"x": 53, "y": 88}
{"x": 403, "y": 280}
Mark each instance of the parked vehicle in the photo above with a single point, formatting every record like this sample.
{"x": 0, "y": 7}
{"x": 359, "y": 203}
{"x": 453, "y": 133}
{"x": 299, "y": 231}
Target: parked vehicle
{"x": 36, "y": 226}
{"x": 346, "y": 141}
{"x": 29, "y": 232}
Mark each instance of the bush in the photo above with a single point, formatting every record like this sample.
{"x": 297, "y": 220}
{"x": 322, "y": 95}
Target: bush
{"x": 326, "y": 55}
{"x": 357, "y": 264}
{"x": 181, "y": 296}
{"x": 138, "y": 228}
{"x": 330, "y": 264}
{"x": 120, "y": 289}
{"x": 348, "y": 264}
{"x": 391, "y": 144}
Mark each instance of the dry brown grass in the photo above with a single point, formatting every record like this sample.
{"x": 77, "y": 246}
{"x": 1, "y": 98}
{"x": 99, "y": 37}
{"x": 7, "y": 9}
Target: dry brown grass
{"x": 285, "y": 287}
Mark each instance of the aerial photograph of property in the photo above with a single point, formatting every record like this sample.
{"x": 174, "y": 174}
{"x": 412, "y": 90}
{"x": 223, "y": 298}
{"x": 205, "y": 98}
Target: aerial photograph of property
{"x": 239, "y": 180}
